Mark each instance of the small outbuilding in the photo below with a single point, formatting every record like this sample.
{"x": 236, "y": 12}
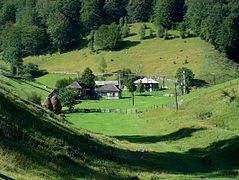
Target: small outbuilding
{"x": 108, "y": 91}
{"x": 148, "y": 83}
{"x": 83, "y": 89}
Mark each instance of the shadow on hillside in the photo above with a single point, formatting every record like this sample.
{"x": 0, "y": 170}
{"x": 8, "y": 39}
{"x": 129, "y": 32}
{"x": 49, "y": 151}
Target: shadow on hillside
{"x": 150, "y": 37}
{"x": 200, "y": 83}
{"x": 69, "y": 153}
{"x": 144, "y": 95}
{"x": 126, "y": 45}
{"x": 180, "y": 134}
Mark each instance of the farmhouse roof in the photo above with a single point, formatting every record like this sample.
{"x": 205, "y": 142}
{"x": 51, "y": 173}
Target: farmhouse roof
{"x": 107, "y": 88}
{"x": 77, "y": 85}
{"x": 102, "y": 83}
{"x": 146, "y": 81}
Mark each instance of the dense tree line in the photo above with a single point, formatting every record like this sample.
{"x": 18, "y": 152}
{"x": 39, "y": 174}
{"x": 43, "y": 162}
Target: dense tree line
{"x": 217, "y": 22}
{"x": 32, "y": 27}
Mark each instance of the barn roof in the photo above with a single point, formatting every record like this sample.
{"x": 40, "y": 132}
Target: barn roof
{"x": 146, "y": 81}
{"x": 107, "y": 88}
{"x": 102, "y": 83}
{"x": 77, "y": 85}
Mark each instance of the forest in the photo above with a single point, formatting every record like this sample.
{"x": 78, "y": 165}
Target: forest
{"x": 34, "y": 27}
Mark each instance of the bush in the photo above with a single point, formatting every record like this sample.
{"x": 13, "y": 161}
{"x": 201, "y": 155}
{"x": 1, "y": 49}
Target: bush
{"x": 34, "y": 98}
{"x": 230, "y": 95}
{"x": 107, "y": 37}
{"x": 62, "y": 83}
{"x": 142, "y": 32}
{"x": 205, "y": 115}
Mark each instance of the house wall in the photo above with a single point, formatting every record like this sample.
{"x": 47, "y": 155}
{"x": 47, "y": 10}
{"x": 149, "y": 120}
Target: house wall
{"x": 110, "y": 95}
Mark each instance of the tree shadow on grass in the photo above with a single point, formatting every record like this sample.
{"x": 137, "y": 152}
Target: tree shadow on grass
{"x": 72, "y": 153}
{"x": 180, "y": 134}
{"x": 126, "y": 45}
{"x": 199, "y": 83}
{"x": 144, "y": 95}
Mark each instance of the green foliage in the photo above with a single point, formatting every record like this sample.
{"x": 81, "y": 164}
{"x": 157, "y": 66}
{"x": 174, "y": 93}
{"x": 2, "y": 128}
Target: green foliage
{"x": 185, "y": 78}
{"x": 64, "y": 25}
{"x": 231, "y": 95}
{"x": 31, "y": 69}
{"x": 63, "y": 83}
{"x": 182, "y": 27}
{"x": 68, "y": 98}
{"x": 140, "y": 87}
{"x": 114, "y": 9}
{"x": 121, "y": 22}
{"x": 34, "y": 98}
{"x": 131, "y": 86}
{"x": 216, "y": 22}
{"x": 168, "y": 12}
{"x": 139, "y": 10}
{"x": 124, "y": 75}
{"x": 91, "y": 14}
{"x": 91, "y": 41}
{"x": 228, "y": 36}
{"x": 88, "y": 78}
{"x": 33, "y": 40}
{"x": 8, "y": 14}
{"x": 103, "y": 66}
{"x": 160, "y": 32}
{"x": 125, "y": 31}
{"x": 205, "y": 115}
{"x": 142, "y": 31}
{"x": 107, "y": 37}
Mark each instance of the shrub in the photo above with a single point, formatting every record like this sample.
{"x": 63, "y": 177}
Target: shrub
{"x": 230, "y": 95}
{"x": 34, "y": 98}
{"x": 107, "y": 37}
{"x": 142, "y": 31}
{"x": 205, "y": 115}
{"x": 62, "y": 83}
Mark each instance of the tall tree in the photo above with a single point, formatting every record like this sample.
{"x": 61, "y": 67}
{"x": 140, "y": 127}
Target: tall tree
{"x": 88, "y": 78}
{"x": 12, "y": 48}
{"x": 131, "y": 88}
{"x": 64, "y": 25}
{"x": 107, "y": 36}
{"x": 114, "y": 10}
{"x": 139, "y": 10}
{"x": 91, "y": 14}
{"x": 164, "y": 13}
{"x": 228, "y": 38}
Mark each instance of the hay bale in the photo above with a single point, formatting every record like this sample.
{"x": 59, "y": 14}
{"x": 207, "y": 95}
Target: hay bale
{"x": 47, "y": 104}
{"x": 56, "y": 105}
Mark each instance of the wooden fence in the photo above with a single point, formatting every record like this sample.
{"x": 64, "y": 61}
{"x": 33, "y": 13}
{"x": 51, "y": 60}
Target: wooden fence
{"x": 124, "y": 111}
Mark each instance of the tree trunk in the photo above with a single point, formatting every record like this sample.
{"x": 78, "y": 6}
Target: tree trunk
{"x": 133, "y": 98}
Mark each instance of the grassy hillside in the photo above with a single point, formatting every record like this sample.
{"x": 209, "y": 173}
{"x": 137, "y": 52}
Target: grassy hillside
{"x": 151, "y": 56}
{"x": 37, "y": 144}
{"x": 205, "y": 128}
{"x": 23, "y": 88}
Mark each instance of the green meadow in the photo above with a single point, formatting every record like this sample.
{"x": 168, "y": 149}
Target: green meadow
{"x": 151, "y": 56}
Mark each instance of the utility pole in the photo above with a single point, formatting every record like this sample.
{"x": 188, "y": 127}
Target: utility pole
{"x": 120, "y": 86}
{"x": 176, "y": 97}
{"x": 78, "y": 75}
{"x": 184, "y": 83}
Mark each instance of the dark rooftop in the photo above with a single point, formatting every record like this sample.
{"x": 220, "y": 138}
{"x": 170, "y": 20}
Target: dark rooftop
{"x": 108, "y": 88}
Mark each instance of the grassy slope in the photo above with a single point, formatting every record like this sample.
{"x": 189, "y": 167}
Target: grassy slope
{"x": 23, "y": 88}
{"x": 180, "y": 137}
{"x": 35, "y": 144}
{"x": 156, "y": 56}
